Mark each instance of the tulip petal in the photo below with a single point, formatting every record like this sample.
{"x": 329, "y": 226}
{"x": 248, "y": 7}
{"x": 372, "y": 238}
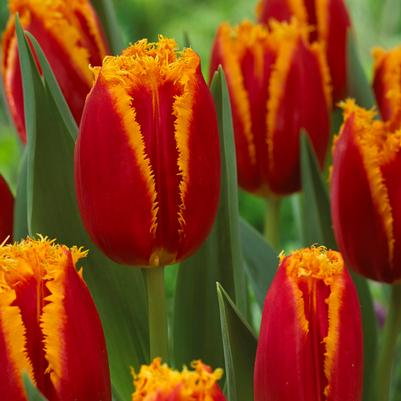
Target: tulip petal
{"x": 13, "y": 356}
{"x": 363, "y": 218}
{"x": 66, "y": 329}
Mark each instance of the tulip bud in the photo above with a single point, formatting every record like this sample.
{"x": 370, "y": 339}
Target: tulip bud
{"x": 147, "y": 162}
{"x": 278, "y": 85}
{"x": 387, "y": 82}
{"x": 310, "y": 343}
{"x": 49, "y": 327}
{"x": 158, "y": 382}
{"x": 365, "y": 194}
{"x": 71, "y": 37}
{"x": 6, "y": 211}
{"x": 330, "y": 24}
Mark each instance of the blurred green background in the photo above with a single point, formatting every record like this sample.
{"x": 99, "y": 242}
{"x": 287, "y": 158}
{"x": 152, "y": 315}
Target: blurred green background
{"x": 377, "y": 23}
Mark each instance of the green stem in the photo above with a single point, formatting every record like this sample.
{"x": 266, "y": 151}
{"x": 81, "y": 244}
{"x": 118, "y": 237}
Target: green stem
{"x": 158, "y": 329}
{"x": 272, "y": 221}
{"x": 387, "y": 352}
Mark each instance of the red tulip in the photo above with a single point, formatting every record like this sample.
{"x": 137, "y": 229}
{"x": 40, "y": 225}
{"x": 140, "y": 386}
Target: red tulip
{"x": 157, "y": 382}
{"x": 366, "y": 194}
{"x": 310, "y": 343}
{"x": 278, "y": 85}
{"x": 6, "y": 211}
{"x": 147, "y": 159}
{"x": 71, "y": 37}
{"x": 49, "y": 327}
{"x": 387, "y": 83}
{"x": 330, "y": 24}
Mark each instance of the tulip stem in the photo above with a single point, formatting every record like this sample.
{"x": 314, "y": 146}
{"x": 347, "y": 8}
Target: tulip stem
{"x": 158, "y": 328}
{"x": 272, "y": 221}
{"x": 387, "y": 354}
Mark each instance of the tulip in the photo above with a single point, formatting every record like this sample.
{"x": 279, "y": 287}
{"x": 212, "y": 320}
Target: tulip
{"x": 6, "y": 211}
{"x": 330, "y": 24}
{"x": 278, "y": 85}
{"x": 387, "y": 83}
{"x": 365, "y": 194}
{"x": 71, "y": 37}
{"x": 158, "y": 382}
{"x": 49, "y": 327}
{"x": 147, "y": 161}
{"x": 310, "y": 343}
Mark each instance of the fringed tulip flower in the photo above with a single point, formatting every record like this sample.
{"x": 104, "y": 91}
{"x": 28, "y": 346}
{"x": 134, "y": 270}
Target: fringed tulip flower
{"x": 366, "y": 194}
{"x": 387, "y": 82}
{"x": 278, "y": 85}
{"x": 157, "y": 382}
{"x": 6, "y": 211}
{"x": 71, "y": 37}
{"x": 330, "y": 24}
{"x": 49, "y": 327}
{"x": 147, "y": 162}
{"x": 310, "y": 343}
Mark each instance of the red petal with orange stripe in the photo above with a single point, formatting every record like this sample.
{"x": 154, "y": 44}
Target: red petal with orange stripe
{"x": 147, "y": 158}
{"x": 387, "y": 83}
{"x": 49, "y": 326}
{"x": 6, "y": 211}
{"x": 330, "y": 24}
{"x": 366, "y": 195}
{"x": 160, "y": 383}
{"x": 310, "y": 343}
{"x": 278, "y": 85}
{"x": 71, "y": 37}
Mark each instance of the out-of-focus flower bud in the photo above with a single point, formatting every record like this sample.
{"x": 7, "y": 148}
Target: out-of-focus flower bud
{"x": 329, "y": 22}
{"x": 279, "y": 84}
{"x": 148, "y": 158}
{"x": 6, "y": 211}
{"x": 310, "y": 343}
{"x": 49, "y": 327}
{"x": 158, "y": 382}
{"x": 71, "y": 37}
{"x": 387, "y": 83}
{"x": 366, "y": 194}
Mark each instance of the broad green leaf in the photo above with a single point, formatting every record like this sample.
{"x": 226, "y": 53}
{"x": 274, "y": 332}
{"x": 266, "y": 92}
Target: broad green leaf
{"x": 196, "y": 320}
{"x": 239, "y": 349}
{"x": 119, "y": 291}
{"x": 316, "y": 220}
{"x": 32, "y": 392}
{"x": 21, "y": 205}
{"x": 54, "y": 88}
{"x": 358, "y": 85}
{"x": 107, "y": 14}
{"x": 316, "y": 225}
{"x": 261, "y": 260}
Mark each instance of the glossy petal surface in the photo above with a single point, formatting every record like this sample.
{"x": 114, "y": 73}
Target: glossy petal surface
{"x": 278, "y": 85}
{"x": 6, "y": 211}
{"x": 366, "y": 220}
{"x": 310, "y": 344}
{"x": 148, "y": 175}
{"x": 71, "y": 38}
{"x": 49, "y": 326}
{"x": 331, "y": 23}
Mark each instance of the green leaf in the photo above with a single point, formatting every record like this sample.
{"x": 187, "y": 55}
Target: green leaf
{"x": 316, "y": 220}
{"x": 239, "y": 349}
{"x": 261, "y": 260}
{"x": 32, "y": 392}
{"x": 317, "y": 228}
{"x": 358, "y": 85}
{"x": 196, "y": 320}
{"x": 118, "y": 291}
{"x": 21, "y": 202}
{"x": 107, "y": 14}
